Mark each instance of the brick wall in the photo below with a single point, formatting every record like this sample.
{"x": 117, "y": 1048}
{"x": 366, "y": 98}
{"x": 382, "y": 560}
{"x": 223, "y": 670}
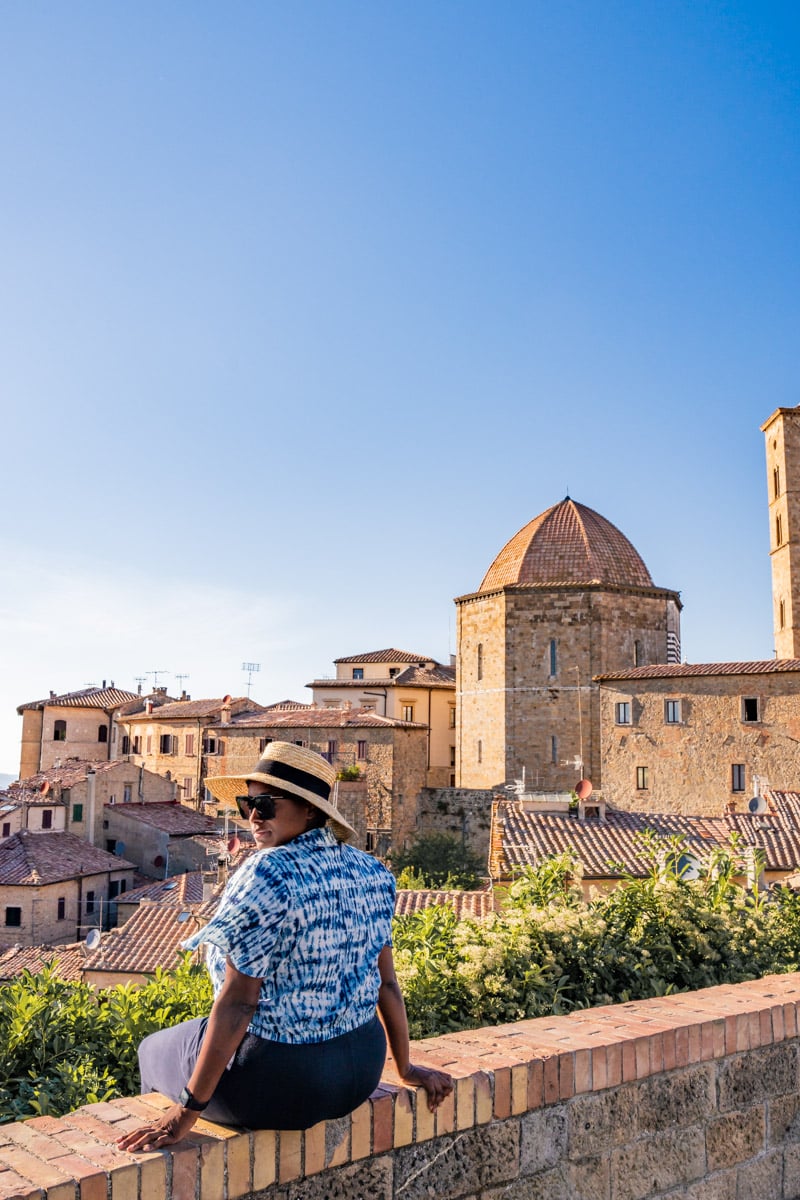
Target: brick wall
{"x": 695, "y": 1095}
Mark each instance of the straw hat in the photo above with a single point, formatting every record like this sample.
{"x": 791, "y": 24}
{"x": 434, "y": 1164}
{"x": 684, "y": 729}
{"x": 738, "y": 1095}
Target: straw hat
{"x": 293, "y": 769}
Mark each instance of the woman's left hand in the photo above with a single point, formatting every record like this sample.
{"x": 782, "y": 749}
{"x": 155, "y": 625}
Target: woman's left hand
{"x": 437, "y": 1084}
{"x": 167, "y": 1129}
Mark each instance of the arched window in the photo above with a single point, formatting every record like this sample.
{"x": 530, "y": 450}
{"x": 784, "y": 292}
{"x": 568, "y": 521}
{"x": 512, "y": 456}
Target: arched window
{"x": 776, "y": 482}
{"x": 480, "y": 750}
{"x": 778, "y": 530}
{"x": 480, "y": 660}
{"x": 782, "y": 614}
{"x": 102, "y": 733}
{"x": 59, "y": 731}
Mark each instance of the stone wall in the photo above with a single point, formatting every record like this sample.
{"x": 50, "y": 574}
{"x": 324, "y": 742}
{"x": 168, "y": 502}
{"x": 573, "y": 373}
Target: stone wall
{"x": 464, "y": 813}
{"x": 694, "y": 1096}
{"x": 689, "y": 764}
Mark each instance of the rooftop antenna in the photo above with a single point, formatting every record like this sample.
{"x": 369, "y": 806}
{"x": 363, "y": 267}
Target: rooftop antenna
{"x": 140, "y": 679}
{"x": 180, "y": 679}
{"x": 155, "y": 674}
{"x": 251, "y": 668}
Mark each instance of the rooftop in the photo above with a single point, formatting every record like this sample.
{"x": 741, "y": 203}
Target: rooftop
{"x": 72, "y": 771}
{"x": 386, "y": 656}
{"x": 180, "y": 710}
{"x": 321, "y": 718}
{"x": 68, "y": 961}
{"x": 151, "y": 938}
{"x": 93, "y": 697}
{"x": 40, "y": 858}
{"x": 475, "y": 905}
{"x": 168, "y": 816}
{"x": 568, "y": 543}
{"x": 770, "y": 666}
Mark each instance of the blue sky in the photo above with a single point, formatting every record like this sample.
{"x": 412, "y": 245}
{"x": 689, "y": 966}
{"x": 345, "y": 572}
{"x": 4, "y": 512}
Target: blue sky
{"x": 308, "y": 308}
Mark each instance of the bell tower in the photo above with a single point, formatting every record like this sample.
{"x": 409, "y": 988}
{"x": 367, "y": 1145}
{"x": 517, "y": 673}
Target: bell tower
{"x": 782, "y": 436}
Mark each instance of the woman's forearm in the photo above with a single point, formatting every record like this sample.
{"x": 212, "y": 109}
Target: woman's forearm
{"x": 392, "y": 1012}
{"x": 227, "y": 1025}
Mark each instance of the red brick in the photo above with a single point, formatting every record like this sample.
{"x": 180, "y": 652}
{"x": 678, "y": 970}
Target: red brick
{"x": 535, "y": 1084}
{"x": 502, "y": 1093}
{"x": 185, "y": 1160}
{"x": 382, "y": 1123}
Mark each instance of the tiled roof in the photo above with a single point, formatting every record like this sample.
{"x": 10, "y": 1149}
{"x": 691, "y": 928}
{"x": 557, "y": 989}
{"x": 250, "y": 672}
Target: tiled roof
{"x": 180, "y": 710}
{"x": 322, "y": 718}
{"x": 157, "y": 699}
{"x": 770, "y": 666}
{"x": 386, "y": 656}
{"x": 104, "y": 698}
{"x": 73, "y": 770}
{"x": 176, "y": 889}
{"x": 282, "y": 704}
{"x": 168, "y": 816}
{"x": 436, "y": 676}
{"x": 38, "y": 858}
{"x": 68, "y": 961}
{"x": 476, "y": 905}
{"x": 150, "y": 939}
{"x": 568, "y": 542}
{"x": 524, "y": 838}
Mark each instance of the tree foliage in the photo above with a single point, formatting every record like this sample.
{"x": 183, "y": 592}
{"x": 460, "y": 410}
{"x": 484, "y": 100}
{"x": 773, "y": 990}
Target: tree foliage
{"x": 437, "y": 860}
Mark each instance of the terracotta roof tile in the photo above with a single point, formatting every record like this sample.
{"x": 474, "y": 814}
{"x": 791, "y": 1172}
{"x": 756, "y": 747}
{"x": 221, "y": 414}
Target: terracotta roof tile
{"x": 524, "y": 837}
{"x": 770, "y": 666}
{"x": 568, "y": 542}
{"x": 435, "y": 676}
{"x": 386, "y": 656}
{"x": 475, "y": 905}
{"x": 104, "y": 698}
{"x": 151, "y": 938}
{"x": 180, "y": 710}
{"x": 176, "y": 889}
{"x": 72, "y": 771}
{"x": 321, "y": 718}
{"x": 68, "y": 961}
{"x": 36, "y": 858}
{"x": 167, "y": 816}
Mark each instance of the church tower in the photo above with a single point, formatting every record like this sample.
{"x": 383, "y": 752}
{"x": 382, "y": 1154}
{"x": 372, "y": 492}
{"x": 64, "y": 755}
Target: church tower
{"x": 782, "y": 436}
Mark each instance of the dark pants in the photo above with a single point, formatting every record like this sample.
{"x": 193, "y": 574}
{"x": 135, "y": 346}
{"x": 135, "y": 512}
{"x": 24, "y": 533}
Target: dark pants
{"x": 271, "y": 1085}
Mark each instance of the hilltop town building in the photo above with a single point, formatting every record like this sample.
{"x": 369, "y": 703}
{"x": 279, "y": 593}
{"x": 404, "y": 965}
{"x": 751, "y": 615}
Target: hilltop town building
{"x": 782, "y": 443}
{"x": 72, "y": 725}
{"x": 403, "y": 687}
{"x": 566, "y": 599}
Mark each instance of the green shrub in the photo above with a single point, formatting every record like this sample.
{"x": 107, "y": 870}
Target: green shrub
{"x": 442, "y": 861}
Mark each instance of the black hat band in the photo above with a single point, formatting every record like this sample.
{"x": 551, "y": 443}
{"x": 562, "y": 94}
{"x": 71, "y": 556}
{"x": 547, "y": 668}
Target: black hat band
{"x": 303, "y": 779}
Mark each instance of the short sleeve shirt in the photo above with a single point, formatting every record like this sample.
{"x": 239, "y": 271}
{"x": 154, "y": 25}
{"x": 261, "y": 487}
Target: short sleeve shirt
{"x": 309, "y": 919}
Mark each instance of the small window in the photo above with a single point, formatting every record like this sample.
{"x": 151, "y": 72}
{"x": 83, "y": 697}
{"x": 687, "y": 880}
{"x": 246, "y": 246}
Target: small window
{"x": 480, "y": 750}
{"x": 126, "y": 744}
{"x": 358, "y": 672}
{"x": 102, "y": 733}
{"x": 60, "y": 731}
{"x": 361, "y": 750}
{"x": 149, "y": 743}
{"x": 62, "y": 908}
{"x": 622, "y": 712}
{"x": 165, "y": 743}
{"x": 553, "y": 657}
{"x": 189, "y": 744}
{"x": 672, "y": 712}
{"x": 262, "y": 744}
{"x": 137, "y": 744}
{"x": 452, "y": 756}
{"x": 6, "y": 829}
{"x": 408, "y": 712}
{"x": 330, "y": 753}
{"x": 554, "y": 749}
{"x": 13, "y": 916}
{"x": 778, "y": 530}
{"x": 77, "y": 813}
{"x": 187, "y": 786}
{"x": 750, "y": 708}
{"x": 393, "y": 671}
{"x": 90, "y": 902}
{"x": 479, "y": 665}
{"x": 637, "y": 653}
{"x": 452, "y": 718}
{"x": 642, "y": 778}
{"x": 210, "y": 745}
{"x": 127, "y": 793}
{"x": 776, "y": 482}
{"x": 737, "y": 777}
{"x": 782, "y": 614}
{"x": 47, "y": 818}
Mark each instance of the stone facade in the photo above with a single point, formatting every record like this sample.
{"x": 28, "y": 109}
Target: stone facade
{"x": 72, "y": 725}
{"x": 782, "y": 441}
{"x": 700, "y": 738}
{"x": 527, "y": 657}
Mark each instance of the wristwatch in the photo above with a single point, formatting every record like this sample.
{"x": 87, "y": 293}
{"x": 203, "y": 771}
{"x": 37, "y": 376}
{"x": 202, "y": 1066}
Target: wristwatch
{"x": 187, "y": 1100}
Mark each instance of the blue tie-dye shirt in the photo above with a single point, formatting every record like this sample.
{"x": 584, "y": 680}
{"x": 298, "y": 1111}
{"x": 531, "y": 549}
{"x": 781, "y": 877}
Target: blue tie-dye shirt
{"x": 309, "y": 919}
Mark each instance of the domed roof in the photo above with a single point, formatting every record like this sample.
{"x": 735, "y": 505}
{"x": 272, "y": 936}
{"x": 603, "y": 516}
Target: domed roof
{"x": 569, "y": 543}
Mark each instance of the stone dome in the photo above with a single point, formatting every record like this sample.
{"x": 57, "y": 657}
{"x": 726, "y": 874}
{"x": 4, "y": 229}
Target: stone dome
{"x": 569, "y": 543}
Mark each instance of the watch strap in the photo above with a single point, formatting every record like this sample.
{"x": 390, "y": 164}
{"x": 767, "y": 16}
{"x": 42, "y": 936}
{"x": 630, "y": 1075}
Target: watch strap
{"x": 187, "y": 1100}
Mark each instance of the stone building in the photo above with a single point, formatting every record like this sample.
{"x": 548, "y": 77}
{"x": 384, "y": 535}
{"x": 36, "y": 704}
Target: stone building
{"x": 54, "y": 887}
{"x": 71, "y": 725}
{"x": 390, "y": 756}
{"x": 782, "y": 443}
{"x": 404, "y": 687}
{"x": 699, "y": 738}
{"x": 566, "y": 599}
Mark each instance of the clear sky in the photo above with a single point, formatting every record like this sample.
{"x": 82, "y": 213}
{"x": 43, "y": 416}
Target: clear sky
{"x": 308, "y": 307}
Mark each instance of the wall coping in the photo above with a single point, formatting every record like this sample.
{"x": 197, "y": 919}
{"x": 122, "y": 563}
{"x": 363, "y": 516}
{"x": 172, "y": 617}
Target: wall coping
{"x": 499, "y": 1071}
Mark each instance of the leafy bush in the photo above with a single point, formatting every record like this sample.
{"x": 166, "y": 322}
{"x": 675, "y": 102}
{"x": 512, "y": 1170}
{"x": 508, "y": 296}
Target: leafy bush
{"x": 348, "y": 774}
{"x": 442, "y": 861}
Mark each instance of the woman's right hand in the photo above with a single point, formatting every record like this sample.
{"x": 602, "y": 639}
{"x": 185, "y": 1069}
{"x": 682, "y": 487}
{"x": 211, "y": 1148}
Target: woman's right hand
{"x": 437, "y": 1084}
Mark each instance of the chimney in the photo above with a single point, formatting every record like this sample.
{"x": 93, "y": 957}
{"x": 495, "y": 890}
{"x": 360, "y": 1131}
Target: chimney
{"x": 148, "y": 706}
{"x": 138, "y": 689}
{"x": 104, "y": 684}
{"x": 225, "y": 711}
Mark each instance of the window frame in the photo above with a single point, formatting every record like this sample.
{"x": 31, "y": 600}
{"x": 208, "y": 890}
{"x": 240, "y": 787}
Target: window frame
{"x": 738, "y": 778}
{"x": 642, "y": 779}
{"x": 620, "y": 717}
{"x": 673, "y": 711}
{"x": 752, "y": 720}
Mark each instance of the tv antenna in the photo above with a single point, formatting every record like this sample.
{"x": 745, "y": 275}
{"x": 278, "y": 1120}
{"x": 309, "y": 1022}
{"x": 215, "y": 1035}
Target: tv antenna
{"x": 180, "y": 679}
{"x": 155, "y": 674}
{"x": 252, "y": 669}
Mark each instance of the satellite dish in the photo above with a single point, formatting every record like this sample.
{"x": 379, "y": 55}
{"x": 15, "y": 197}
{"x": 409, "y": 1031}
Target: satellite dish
{"x": 757, "y": 805}
{"x": 92, "y": 939}
{"x": 233, "y": 844}
{"x": 688, "y": 867}
{"x": 119, "y": 849}
{"x": 45, "y": 788}
{"x": 584, "y": 789}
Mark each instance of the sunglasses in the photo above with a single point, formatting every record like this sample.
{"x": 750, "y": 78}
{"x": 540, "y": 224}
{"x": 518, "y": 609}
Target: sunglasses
{"x": 264, "y": 806}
